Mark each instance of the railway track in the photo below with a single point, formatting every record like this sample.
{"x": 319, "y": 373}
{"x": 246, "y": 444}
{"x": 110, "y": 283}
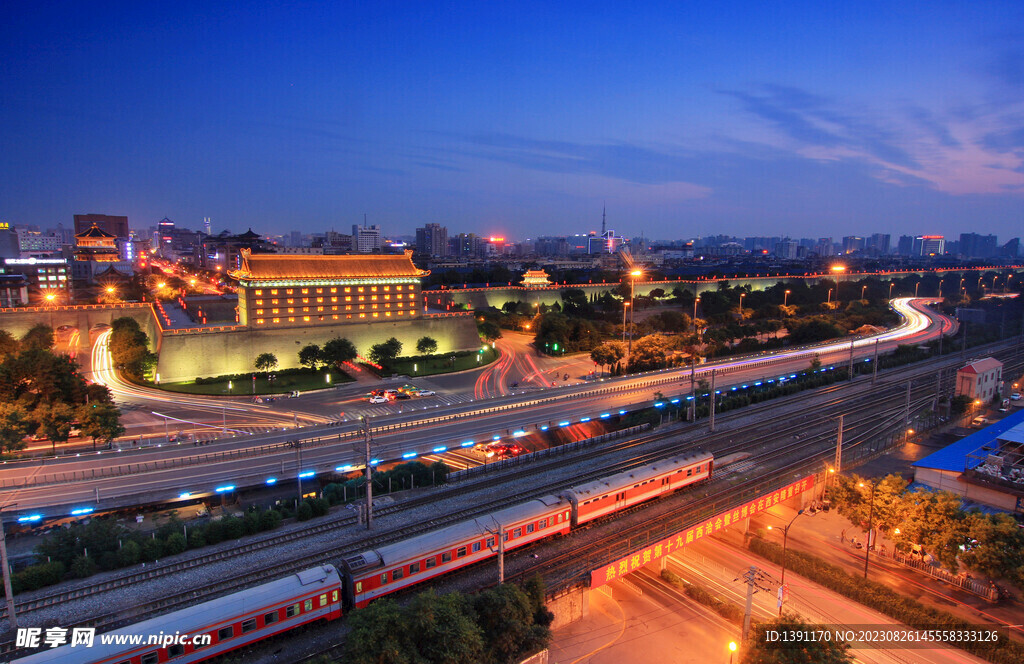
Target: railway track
{"x": 886, "y": 388}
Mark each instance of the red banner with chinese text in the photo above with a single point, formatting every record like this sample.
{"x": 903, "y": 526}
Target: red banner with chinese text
{"x": 622, "y": 567}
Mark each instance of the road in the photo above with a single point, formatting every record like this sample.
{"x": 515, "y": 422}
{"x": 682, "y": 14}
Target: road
{"x": 405, "y": 430}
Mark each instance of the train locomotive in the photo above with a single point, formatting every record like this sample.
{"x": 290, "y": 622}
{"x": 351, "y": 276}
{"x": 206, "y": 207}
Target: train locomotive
{"x": 251, "y": 615}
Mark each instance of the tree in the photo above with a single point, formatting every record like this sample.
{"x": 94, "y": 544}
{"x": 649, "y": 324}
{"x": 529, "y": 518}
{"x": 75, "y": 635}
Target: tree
{"x": 431, "y": 629}
{"x": 506, "y": 615}
{"x": 39, "y": 337}
{"x": 759, "y": 650}
{"x": 8, "y": 344}
{"x": 55, "y": 421}
{"x": 608, "y": 353}
{"x": 265, "y": 362}
{"x": 426, "y": 346}
{"x": 338, "y": 351}
{"x": 100, "y": 421}
{"x": 649, "y": 353}
{"x": 14, "y": 426}
{"x": 385, "y": 353}
{"x": 129, "y": 347}
{"x": 311, "y": 356}
{"x": 488, "y": 330}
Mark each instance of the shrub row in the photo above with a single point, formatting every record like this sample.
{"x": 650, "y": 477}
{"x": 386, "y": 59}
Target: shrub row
{"x": 885, "y": 600}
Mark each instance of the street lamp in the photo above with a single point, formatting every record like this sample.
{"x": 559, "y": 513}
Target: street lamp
{"x": 916, "y": 287}
{"x": 891, "y": 284}
{"x": 829, "y": 296}
{"x": 871, "y": 516}
{"x": 632, "y": 285}
{"x": 785, "y": 298}
{"x": 742, "y": 295}
{"x": 732, "y": 650}
{"x": 785, "y": 539}
{"x": 862, "y": 289}
{"x": 695, "y": 301}
{"x": 625, "y": 307}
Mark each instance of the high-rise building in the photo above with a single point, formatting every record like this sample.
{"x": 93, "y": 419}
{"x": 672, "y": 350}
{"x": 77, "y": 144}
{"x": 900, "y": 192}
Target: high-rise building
{"x": 366, "y": 239}
{"x": 432, "y": 240}
{"x": 879, "y": 244}
{"x": 115, "y": 225}
{"x": 905, "y": 247}
{"x": 973, "y": 245}
{"x": 824, "y": 246}
{"x": 932, "y": 245}
{"x": 852, "y": 243}
{"x": 786, "y": 249}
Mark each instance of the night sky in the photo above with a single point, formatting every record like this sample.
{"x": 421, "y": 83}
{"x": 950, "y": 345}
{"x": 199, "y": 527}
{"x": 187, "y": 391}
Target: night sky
{"x": 518, "y": 119}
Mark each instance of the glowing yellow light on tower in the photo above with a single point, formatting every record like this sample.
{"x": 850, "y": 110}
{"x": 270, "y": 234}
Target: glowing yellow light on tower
{"x": 110, "y": 289}
{"x": 838, "y": 268}
{"x": 637, "y": 273}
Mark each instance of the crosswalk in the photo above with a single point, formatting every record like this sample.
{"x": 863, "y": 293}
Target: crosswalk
{"x": 415, "y": 405}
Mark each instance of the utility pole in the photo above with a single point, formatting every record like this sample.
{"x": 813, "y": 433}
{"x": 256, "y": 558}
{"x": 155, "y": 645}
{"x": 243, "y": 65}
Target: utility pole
{"x": 499, "y": 532}
{"x": 839, "y": 446}
{"x": 851, "y": 360}
{"x": 874, "y": 365}
{"x": 906, "y": 411}
{"x": 750, "y": 576}
{"x": 12, "y": 618}
{"x": 369, "y": 474}
{"x": 297, "y": 444}
{"x": 712, "y": 399}
{"x": 693, "y": 389}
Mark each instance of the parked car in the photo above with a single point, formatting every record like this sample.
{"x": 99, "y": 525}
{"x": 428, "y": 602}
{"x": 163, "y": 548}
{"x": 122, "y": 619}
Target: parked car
{"x": 402, "y": 395}
{"x": 425, "y": 393}
{"x": 376, "y": 398}
{"x": 1015, "y": 396}
{"x": 979, "y": 421}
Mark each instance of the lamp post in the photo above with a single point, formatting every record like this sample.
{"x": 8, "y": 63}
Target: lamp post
{"x": 625, "y": 307}
{"x": 891, "y": 284}
{"x": 632, "y": 285}
{"x": 916, "y": 286}
{"x": 732, "y": 650}
{"x": 742, "y": 295}
{"x": 871, "y": 516}
{"x": 695, "y": 301}
{"x": 785, "y": 541}
{"x": 829, "y": 301}
{"x": 862, "y": 289}
{"x": 785, "y": 298}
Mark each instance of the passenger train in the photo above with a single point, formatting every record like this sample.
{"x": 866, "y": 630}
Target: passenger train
{"x": 251, "y": 615}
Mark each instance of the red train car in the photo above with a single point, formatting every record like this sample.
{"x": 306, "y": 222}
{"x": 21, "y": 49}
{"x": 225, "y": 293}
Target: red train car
{"x": 378, "y": 572}
{"x": 611, "y": 494}
{"x": 215, "y": 627}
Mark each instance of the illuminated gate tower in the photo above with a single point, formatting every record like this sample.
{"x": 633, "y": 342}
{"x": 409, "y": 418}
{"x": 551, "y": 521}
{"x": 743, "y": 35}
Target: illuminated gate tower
{"x": 284, "y": 290}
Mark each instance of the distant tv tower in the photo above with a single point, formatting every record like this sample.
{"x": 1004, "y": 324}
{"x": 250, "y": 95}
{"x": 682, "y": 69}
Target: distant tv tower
{"x": 604, "y": 210}
{"x": 207, "y": 225}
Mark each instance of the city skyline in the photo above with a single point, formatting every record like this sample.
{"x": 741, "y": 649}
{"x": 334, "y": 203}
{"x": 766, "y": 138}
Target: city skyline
{"x": 522, "y": 122}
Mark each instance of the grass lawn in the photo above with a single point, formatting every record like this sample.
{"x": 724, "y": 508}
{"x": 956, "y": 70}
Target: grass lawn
{"x": 440, "y": 364}
{"x": 304, "y": 382}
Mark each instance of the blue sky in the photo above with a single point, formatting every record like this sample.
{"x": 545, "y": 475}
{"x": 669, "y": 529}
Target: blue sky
{"x": 518, "y": 119}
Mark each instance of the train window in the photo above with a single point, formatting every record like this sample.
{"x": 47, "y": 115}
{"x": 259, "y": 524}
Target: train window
{"x": 529, "y": 528}
{"x": 689, "y": 472}
{"x": 430, "y": 562}
{"x": 543, "y": 524}
{"x": 248, "y": 625}
{"x": 383, "y": 578}
{"x": 307, "y": 605}
{"x": 323, "y": 599}
{"x": 461, "y": 551}
{"x": 490, "y": 542}
{"x": 270, "y": 618}
{"x": 397, "y": 574}
{"x": 292, "y": 611}
{"x": 476, "y": 546}
{"x": 446, "y": 557}
{"x": 518, "y": 532}
{"x": 635, "y": 486}
{"x": 559, "y": 517}
{"x": 175, "y": 651}
{"x": 225, "y": 632}
{"x": 507, "y": 535}
{"x": 150, "y": 658}
{"x": 413, "y": 568}
{"x": 359, "y": 586}
{"x": 334, "y": 596}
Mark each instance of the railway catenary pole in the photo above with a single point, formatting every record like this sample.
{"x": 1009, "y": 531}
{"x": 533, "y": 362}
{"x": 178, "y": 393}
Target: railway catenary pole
{"x": 874, "y": 365}
{"x": 12, "y": 618}
{"x": 906, "y": 409}
{"x": 498, "y": 532}
{"x": 693, "y": 389}
{"x": 711, "y": 399}
{"x": 369, "y": 473}
{"x": 839, "y": 446}
{"x": 851, "y": 359}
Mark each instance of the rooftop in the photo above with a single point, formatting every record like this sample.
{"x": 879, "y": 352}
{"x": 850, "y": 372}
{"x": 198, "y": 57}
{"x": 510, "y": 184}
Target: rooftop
{"x": 981, "y": 366}
{"x": 268, "y": 267}
{"x": 954, "y": 457}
